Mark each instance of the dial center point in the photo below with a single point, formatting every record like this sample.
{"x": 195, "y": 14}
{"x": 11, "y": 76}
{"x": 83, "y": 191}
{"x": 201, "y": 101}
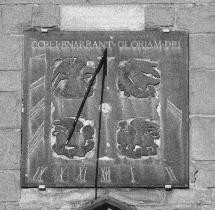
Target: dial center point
{"x": 106, "y": 108}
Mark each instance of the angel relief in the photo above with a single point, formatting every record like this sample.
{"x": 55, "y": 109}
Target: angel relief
{"x": 70, "y": 79}
{"x": 71, "y": 76}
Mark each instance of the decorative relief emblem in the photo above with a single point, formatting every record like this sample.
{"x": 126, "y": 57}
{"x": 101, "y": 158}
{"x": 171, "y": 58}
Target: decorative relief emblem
{"x": 138, "y": 137}
{"x": 81, "y": 143}
{"x": 71, "y": 76}
{"x": 137, "y": 77}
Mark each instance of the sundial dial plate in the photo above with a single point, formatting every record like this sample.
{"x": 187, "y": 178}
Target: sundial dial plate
{"x": 144, "y": 126}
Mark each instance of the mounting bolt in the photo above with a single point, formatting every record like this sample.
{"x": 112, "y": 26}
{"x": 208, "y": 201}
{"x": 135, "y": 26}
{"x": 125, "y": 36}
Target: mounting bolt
{"x": 44, "y": 30}
{"x": 168, "y": 187}
{"x": 166, "y": 30}
{"x": 42, "y": 187}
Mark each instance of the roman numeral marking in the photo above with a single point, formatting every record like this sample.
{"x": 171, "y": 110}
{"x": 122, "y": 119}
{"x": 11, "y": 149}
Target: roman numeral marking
{"x": 61, "y": 174}
{"x": 171, "y": 174}
{"x": 38, "y": 175}
{"x": 82, "y": 174}
{"x": 105, "y": 174}
{"x": 132, "y": 175}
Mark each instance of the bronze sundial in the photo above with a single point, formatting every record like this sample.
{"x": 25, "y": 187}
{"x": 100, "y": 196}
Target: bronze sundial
{"x": 124, "y": 94}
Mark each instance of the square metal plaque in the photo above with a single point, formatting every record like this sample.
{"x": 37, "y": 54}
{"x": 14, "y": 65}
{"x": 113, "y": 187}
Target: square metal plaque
{"x": 144, "y": 126}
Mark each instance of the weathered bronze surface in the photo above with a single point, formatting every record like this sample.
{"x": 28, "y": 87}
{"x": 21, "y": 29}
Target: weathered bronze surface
{"x": 144, "y": 127}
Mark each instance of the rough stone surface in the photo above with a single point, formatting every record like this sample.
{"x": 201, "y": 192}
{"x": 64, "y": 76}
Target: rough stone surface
{"x": 46, "y": 15}
{"x": 172, "y": 207}
{"x": 157, "y": 16}
{"x": 10, "y": 81}
{"x": 208, "y": 207}
{"x": 42, "y": 2}
{"x": 202, "y": 94}
{"x": 196, "y": 18}
{"x": 56, "y": 198}
{"x": 205, "y": 178}
{"x": 147, "y": 1}
{"x": 202, "y": 137}
{"x": 17, "y": 18}
{"x": 9, "y": 185}
{"x": 205, "y": 174}
{"x": 10, "y": 110}
{"x": 10, "y": 149}
{"x": 202, "y": 51}
{"x": 12, "y": 206}
{"x": 102, "y": 17}
{"x": 11, "y": 52}
{"x": 134, "y": 197}
{"x": 2, "y": 206}
{"x": 213, "y": 196}
{"x": 188, "y": 196}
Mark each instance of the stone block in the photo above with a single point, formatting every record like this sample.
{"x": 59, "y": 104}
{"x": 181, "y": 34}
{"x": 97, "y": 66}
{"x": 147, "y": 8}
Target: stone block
{"x": 2, "y": 206}
{"x": 9, "y": 2}
{"x": 11, "y": 52}
{"x": 10, "y": 80}
{"x": 205, "y": 178}
{"x": 208, "y": 207}
{"x": 202, "y": 94}
{"x": 168, "y": 207}
{"x": 12, "y": 206}
{"x": 9, "y": 185}
{"x": 105, "y": 1}
{"x": 156, "y": 16}
{"x": 102, "y": 17}
{"x": 16, "y": 18}
{"x": 205, "y": 174}
{"x": 202, "y": 51}
{"x": 46, "y": 15}
{"x": 32, "y": 199}
{"x": 134, "y": 197}
{"x": 188, "y": 196}
{"x": 196, "y": 18}
{"x": 147, "y": 1}
{"x": 202, "y": 137}
{"x": 10, "y": 149}
{"x": 182, "y": 207}
{"x": 10, "y": 110}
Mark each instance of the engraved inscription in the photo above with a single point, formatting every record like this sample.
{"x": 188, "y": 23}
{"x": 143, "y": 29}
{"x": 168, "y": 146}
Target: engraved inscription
{"x": 132, "y": 175}
{"x": 171, "y": 174}
{"x": 82, "y": 174}
{"x": 106, "y": 173}
{"x": 62, "y": 170}
{"x": 38, "y": 175}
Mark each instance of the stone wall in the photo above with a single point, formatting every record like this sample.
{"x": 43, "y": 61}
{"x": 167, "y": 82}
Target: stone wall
{"x": 195, "y": 16}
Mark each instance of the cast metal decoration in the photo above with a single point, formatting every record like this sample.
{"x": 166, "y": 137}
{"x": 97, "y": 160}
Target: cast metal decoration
{"x": 105, "y": 109}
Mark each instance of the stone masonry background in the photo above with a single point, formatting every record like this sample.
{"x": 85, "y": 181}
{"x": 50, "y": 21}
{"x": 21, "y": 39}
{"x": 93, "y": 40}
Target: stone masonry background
{"x": 195, "y": 16}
